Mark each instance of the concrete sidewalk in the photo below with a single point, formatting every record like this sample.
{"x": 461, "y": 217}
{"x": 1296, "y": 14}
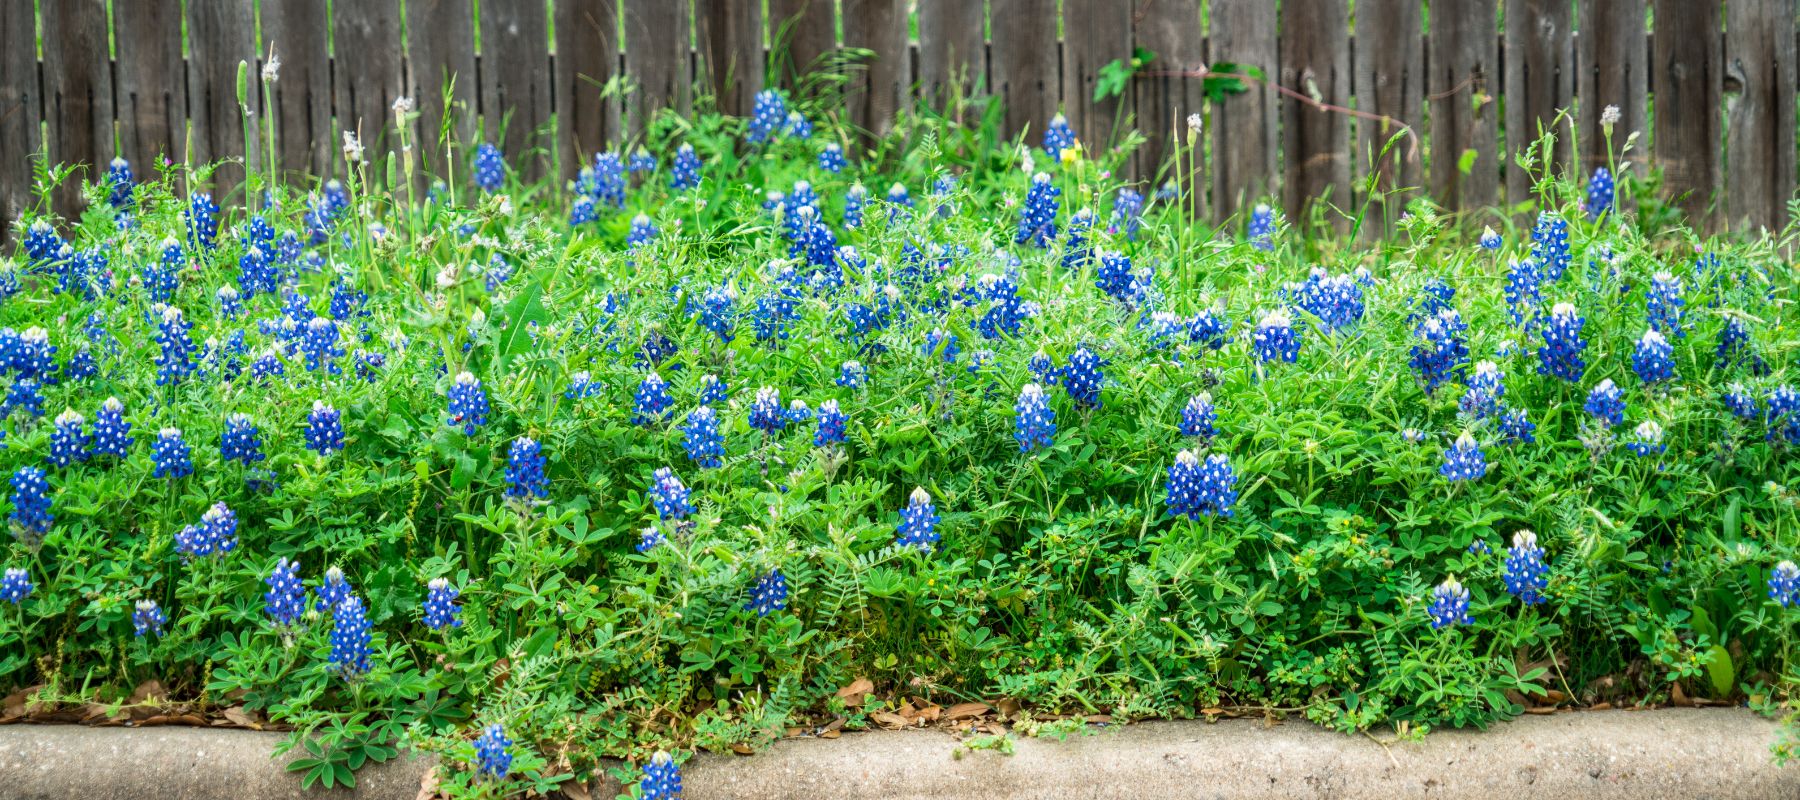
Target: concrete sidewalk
{"x": 1676, "y": 753}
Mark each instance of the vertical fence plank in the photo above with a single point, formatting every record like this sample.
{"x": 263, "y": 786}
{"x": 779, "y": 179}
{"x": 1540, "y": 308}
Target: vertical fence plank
{"x": 1687, "y": 69}
{"x": 876, "y": 89}
{"x": 19, "y": 109}
{"x": 1613, "y": 72}
{"x": 366, "y": 40}
{"x": 78, "y": 105}
{"x": 304, "y": 138}
{"x": 151, "y": 108}
{"x": 952, "y": 50}
{"x": 1315, "y": 61}
{"x": 1463, "y": 56}
{"x": 1243, "y": 126}
{"x": 1760, "y": 64}
{"x": 515, "y": 80}
{"x": 656, "y": 57}
{"x": 1095, "y": 33}
{"x": 1169, "y": 93}
{"x": 1390, "y": 80}
{"x": 1024, "y": 64}
{"x": 1540, "y": 81}
{"x": 731, "y": 35}
{"x": 587, "y": 56}
{"x": 441, "y": 56}
{"x": 221, "y": 34}
{"x": 801, "y": 33}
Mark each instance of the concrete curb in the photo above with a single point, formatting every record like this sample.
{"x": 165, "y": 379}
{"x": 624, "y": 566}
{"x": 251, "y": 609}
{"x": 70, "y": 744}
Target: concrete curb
{"x": 1676, "y": 753}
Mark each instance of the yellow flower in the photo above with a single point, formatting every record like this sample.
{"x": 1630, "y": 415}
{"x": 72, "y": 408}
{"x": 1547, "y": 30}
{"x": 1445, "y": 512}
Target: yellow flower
{"x": 1072, "y": 153}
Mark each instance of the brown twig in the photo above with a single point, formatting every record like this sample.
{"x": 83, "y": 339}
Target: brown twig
{"x": 1412, "y": 136}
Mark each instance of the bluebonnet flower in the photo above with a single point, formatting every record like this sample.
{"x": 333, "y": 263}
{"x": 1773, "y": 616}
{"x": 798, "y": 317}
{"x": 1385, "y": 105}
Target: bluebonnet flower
{"x": 1485, "y": 393}
{"x": 657, "y": 348}
{"x": 160, "y": 277}
{"x": 34, "y": 357}
{"x": 350, "y": 639}
{"x": 685, "y": 174}
{"x": 918, "y": 522}
{"x": 1036, "y": 425}
{"x": 582, "y": 211}
{"x": 119, "y": 183}
{"x": 899, "y": 201}
{"x": 468, "y": 403}
{"x": 15, "y": 585}
{"x": 31, "y": 517}
{"x": 1275, "y": 338}
{"x": 1550, "y": 246}
{"x": 202, "y": 221}
{"x": 798, "y": 412}
{"x": 255, "y": 274}
{"x": 230, "y": 306}
{"x": 662, "y": 779}
{"x": 490, "y": 168}
{"x": 798, "y": 127}
{"x": 82, "y": 365}
{"x": 175, "y": 362}
{"x": 1463, "y": 461}
{"x": 705, "y": 447}
{"x": 525, "y": 471}
{"x": 1606, "y": 404}
{"x": 1441, "y": 352}
{"x": 1209, "y": 328}
{"x": 1490, "y": 240}
{"x": 492, "y": 759}
{"x": 940, "y": 341}
{"x": 1663, "y": 304}
{"x": 1336, "y": 300}
{"x": 441, "y": 609}
{"x": 852, "y": 375}
{"x": 1449, "y": 605}
{"x": 68, "y": 442}
{"x": 1058, "y": 136}
{"x": 1480, "y": 547}
{"x": 1516, "y": 427}
{"x": 765, "y": 411}
{"x": 1651, "y": 359}
{"x": 1560, "y": 356}
{"x": 767, "y": 115}
{"x": 324, "y": 429}
{"x": 333, "y": 590}
{"x": 1262, "y": 228}
{"x": 642, "y": 161}
{"x": 581, "y": 384}
{"x": 1198, "y": 417}
{"x": 854, "y": 202}
{"x": 649, "y": 539}
{"x": 148, "y": 619}
{"x": 1037, "y": 218}
{"x": 171, "y": 455}
{"x": 1113, "y": 276}
{"x": 712, "y": 390}
{"x": 268, "y": 365}
{"x": 1647, "y": 439}
{"x": 716, "y": 311}
{"x": 285, "y": 600}
{"x": 769, "y": 594}
{"x": 1197, "y": 488}
{"x": 1784, "y": 584}
{"x": 1783, "y": 413}
{"x": 1522, "y": 294}
{"x": 24, "y": 395}
{"x": 1078, "y": 249}
{"x": 831, "y": 159}
{"x": 669, "y": 495}
{"x": 320, "y": 346}
{"x": 1735, "y": 348}
{"x": 1599, "y": 193}
{"x": 215, "y": 533}
{"x": 1083, "y": 378}
{"x": 1128, "y": 212}
{"x": 831, "y": 425}
{"x": 1525, "y": 574}
{"x": 607, "y": 182}
{"x": 642, "y": 232}
{"x": 42, "y": 243}
{"x": 1741, "y": 403}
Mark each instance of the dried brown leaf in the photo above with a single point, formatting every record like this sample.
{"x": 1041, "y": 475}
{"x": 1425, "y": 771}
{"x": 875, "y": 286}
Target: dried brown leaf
{"x": 428, "y": 785}
{"x": 889, "y": 720}
{"x": 966, "y": 711}
{"x": 854, "y": 694}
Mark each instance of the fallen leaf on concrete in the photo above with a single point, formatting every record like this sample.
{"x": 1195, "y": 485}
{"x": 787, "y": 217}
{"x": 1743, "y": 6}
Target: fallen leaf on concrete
{"x": 854, "y": 694}
{"x": 150, "y": 691}
{"x": 238, "y": 716}
{"x": 966, "y": 711}
{"x": 1010, "y": 707}
{"x": 1541, "y": 710}
{"x": 890, "y": 720}
{"x": 1678, "y": 697}
{"x": 742, "y": 749}
{"x": 575, "y": 789}
{"x": 428, "y": 785}
{"x": 832, "y": 733}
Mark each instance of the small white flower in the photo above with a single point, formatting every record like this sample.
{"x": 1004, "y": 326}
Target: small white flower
{"x": 1196, "y": 124}
{"x": 1609, "y": 116}
{"x": 353, "y": 148}
{"x": 271, "y": 70}
{"x": 403, "y": 106}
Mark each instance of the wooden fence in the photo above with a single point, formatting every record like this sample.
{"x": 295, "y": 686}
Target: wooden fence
{"x": 1709, "y": 88}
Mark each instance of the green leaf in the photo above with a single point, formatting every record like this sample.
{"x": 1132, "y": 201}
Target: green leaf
{"x": 1466, "y": 164}
{"x": 525, "y": 309}
{"x": 1719, "y": 670}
